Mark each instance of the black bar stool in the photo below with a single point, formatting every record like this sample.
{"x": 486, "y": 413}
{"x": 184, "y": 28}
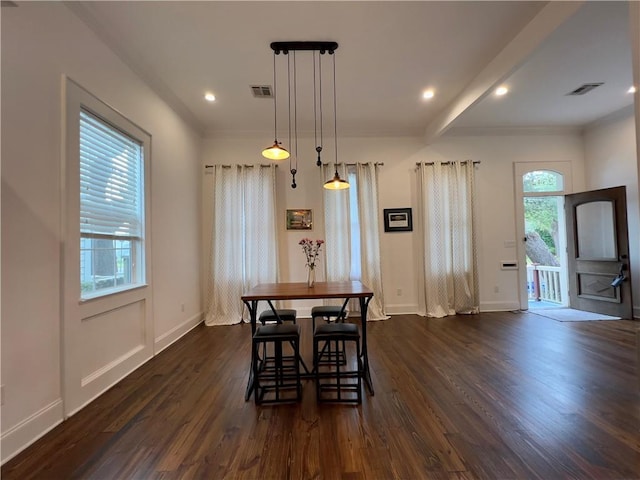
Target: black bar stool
{"x": 282, "y": 378}
{"x": 329, "y": 313}
{"x": 269, "y": 317}
{"x": 285, "y": 314}
{"x": 336, "y": 377}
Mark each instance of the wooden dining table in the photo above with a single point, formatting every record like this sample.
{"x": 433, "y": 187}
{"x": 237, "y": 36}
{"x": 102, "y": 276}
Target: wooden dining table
{"x": 270, "y": 292}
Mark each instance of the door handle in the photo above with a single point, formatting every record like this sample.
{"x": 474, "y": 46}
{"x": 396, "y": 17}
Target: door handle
{"x": 618, "y": 281}
{"x": 620, "y": 278}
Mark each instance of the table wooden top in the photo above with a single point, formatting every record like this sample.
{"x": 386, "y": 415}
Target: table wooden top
{"x": 300, "y": 291}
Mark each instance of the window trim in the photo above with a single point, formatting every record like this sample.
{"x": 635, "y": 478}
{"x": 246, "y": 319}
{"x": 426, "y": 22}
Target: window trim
{"x": 78, "y": 99}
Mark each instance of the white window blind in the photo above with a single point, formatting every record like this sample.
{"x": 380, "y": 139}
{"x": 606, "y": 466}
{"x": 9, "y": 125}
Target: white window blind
{"x": 111, "y": 202}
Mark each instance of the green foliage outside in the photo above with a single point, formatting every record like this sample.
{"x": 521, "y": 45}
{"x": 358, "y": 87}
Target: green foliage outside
{"x": 548, "y": 240}
{"x": 542, "y": 181}
{"x": 541, "y": 213}
{"x": 101, "y": 283}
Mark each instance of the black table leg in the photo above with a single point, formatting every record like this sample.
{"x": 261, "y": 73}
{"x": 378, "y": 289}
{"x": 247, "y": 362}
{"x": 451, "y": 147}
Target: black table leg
{"x": 253, "y": 313}
{"x": 364, "y": 304}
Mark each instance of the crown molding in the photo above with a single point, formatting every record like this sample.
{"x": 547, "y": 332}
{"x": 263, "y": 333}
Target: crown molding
{"x": 511, "y": 131}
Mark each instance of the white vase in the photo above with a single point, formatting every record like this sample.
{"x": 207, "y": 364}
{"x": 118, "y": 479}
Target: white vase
{"x": 311, "y": 276}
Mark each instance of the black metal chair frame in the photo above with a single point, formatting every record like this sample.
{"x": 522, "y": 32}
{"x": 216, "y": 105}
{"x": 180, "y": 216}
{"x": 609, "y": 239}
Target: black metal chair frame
{"x": 336, "y": 371}
{"x": 281, "y": 377}
{"x": 269, "y": 317}
{"x": 328, "y": 355}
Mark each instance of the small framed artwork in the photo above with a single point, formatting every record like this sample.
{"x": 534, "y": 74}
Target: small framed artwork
{"x": 299, "y": 219}
{"x": 398, "y": 220}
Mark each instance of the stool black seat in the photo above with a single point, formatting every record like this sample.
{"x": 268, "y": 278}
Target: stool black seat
{"x": 285, "y": 314}
{"x": 344, "y": 329}
{"x": 334, "y": 376}
{"x": 282, "y": 378}
{"x": 269, "y": 317}
{"x": 327, "y": 312}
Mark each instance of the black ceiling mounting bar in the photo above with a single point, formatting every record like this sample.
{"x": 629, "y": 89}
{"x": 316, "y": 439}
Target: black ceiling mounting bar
{"x": 286, "y": 47}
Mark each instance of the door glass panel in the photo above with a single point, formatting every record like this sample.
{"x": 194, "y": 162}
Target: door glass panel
{"x": 595, "y": 227}
{"x": 542, "y": 181}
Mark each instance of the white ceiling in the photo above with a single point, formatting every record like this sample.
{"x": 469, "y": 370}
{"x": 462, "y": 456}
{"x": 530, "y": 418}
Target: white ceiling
{"x": 388, "y": 53}
{"x": 591, "y": 47}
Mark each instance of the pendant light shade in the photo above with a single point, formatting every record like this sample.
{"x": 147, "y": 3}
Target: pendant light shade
{"x": 336, "y": 183}
{"x": 275, "y": 152}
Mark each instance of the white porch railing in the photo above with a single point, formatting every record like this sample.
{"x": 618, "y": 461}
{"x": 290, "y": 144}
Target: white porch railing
{"x": 543, "y": 283}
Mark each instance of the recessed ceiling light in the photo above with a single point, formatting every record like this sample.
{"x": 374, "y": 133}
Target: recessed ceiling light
{"x": 209, "y": 97}
{"x": 501, "y": 91}
{"x": 427, "y": 94}
{"x": 632, "y": 89}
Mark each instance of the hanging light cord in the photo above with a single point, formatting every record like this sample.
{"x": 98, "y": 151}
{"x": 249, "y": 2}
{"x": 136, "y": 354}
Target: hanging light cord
{"x": 315, "y": 102}
{"x": 289, "y": 102}
{"x": 321, "y": 122}
{"x": 275, "y": 102}
{"x": 315, "y": 115}
{"x": 335, "y": 114}
{"x": 295, "y": 125}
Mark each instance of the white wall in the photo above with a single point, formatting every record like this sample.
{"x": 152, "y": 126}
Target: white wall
{"x": 41, "y": 42}
{"x": 611, "y": 161}
{"x": 400, "y": 261}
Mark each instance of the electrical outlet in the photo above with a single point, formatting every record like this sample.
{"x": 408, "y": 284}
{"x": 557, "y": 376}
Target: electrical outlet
{"x": 399, "y": 292}
{"x": 496, "y": 289}
{"x": 1, "y": 394}
{"x": 182, "y": 307}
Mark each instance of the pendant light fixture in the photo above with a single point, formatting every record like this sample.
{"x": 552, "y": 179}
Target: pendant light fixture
{"x": 336, "y": 183}
{"x": 275, "y": 152}
{"x": 293, "y": 160}
{"x": 317, "y": 102}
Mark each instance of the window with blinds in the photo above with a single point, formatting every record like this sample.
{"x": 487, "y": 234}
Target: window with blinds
{"x": 111, "y": 207}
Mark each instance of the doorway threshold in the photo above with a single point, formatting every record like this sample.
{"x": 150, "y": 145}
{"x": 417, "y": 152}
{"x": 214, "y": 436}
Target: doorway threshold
{"x": 534, "y": 305}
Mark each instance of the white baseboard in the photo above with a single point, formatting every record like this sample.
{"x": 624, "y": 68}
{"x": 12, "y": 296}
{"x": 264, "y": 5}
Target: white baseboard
{"x": 173, "y": 335}
{"x": 401, "y": 309}
{"x": 499, "y": 306}
{"x": 19, "y": 437}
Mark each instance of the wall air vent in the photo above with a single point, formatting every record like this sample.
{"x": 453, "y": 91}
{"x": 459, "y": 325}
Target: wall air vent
{"x": 262, "y": 91}
{"x": 586, "y": 88}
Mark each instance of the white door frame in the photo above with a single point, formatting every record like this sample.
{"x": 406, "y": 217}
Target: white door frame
{"x": 519, "y": 170}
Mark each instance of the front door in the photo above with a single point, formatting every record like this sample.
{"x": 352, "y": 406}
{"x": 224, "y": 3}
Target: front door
{"x": 598, "y": 252}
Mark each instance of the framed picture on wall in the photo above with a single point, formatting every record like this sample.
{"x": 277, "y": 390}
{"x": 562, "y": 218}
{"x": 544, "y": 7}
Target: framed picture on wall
{"x": 398, "y": 220}
{"x": 299, "y": 219}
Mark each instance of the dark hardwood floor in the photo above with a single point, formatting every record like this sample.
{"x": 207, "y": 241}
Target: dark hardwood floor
{"x": 490, "y": 396}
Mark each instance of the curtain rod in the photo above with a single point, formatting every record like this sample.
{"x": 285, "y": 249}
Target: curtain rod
{"x": 268, "y": 165}
{"x": 381, "y": 164}
{"x": 229, "y": 166}
{"x": 446, "y": 163}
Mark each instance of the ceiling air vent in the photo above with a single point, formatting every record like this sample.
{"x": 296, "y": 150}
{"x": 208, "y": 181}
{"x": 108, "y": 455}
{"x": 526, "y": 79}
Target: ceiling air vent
{"x": 586, "y": 88}
{"x": 7, "y": 3}
{"x": 262, "y": 91}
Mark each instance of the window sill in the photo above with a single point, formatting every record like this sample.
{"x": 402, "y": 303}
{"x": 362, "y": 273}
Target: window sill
{"x": 107, "y": 292}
